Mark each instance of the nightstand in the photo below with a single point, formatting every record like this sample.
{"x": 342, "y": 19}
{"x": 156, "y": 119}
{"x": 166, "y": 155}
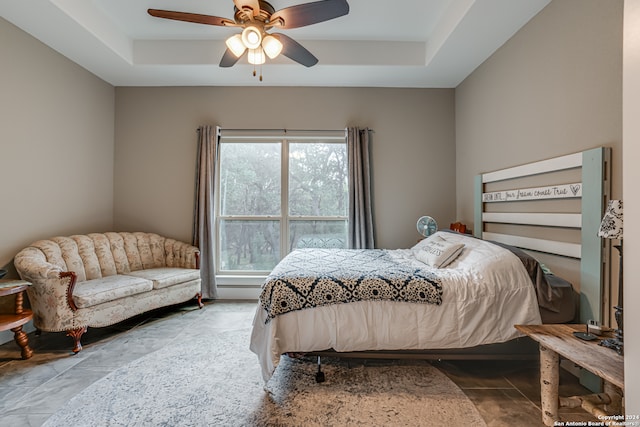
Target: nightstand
{"x": 19, "y": 317}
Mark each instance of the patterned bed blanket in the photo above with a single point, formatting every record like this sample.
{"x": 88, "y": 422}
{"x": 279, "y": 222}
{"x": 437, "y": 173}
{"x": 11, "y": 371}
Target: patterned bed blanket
{"x": 316, "y": 277}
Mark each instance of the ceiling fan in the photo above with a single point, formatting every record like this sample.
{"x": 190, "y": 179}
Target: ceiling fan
{"x": 256, "y": 18}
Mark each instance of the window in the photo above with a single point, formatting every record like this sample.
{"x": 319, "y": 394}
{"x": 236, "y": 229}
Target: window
{"x": 277, "y": 193}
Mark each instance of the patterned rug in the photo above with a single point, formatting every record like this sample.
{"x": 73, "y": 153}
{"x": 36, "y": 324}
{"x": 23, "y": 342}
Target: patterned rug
{"x": 214, "y": 380}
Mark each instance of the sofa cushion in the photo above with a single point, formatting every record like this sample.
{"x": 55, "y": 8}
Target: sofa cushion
{"x": 167, "y": 276}
{"x": 97, "y": 291}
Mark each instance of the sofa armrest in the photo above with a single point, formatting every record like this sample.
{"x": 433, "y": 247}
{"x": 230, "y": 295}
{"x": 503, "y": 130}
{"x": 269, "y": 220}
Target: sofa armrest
{"x": 70, "y": 277}
{"x": 50, "y": 283}
{"x": 32, "y": 265}
{"x": 182, "y": 255}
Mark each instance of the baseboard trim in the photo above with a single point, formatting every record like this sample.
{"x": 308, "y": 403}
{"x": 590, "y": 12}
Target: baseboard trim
{"x": 238, "y": 292}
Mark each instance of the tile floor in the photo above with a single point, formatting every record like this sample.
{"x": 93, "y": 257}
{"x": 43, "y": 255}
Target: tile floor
{"x": 505, "y": 393}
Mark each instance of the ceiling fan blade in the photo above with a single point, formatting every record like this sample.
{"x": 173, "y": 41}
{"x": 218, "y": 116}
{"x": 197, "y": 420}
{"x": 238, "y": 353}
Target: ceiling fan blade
{"x": 229, "y": 59}
{"x": 294, "y": 50}
{"x": 309, "y": 13}
{"x": 191, "y": 17}
{"x": 248, "y": 4}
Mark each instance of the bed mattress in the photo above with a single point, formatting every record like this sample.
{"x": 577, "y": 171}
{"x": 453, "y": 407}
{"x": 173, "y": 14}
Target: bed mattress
{"x": 485, "y": 292}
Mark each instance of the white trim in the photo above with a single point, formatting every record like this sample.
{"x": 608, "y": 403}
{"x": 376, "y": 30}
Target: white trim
{"x": 240, "y": 281}
{"x": 233, "y": 293}
{"x": 256, "y": 135}
{"x": 319, "y": 138}
{"x": 573, "y": 250}
{"x": 239, "y": 287}
{"x": 545, "y": 219}
{"x": 558, "y": 163}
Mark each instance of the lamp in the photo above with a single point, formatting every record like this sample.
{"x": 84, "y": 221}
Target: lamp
{"x": 272, "y": 46}
{"x": 251, "y": 37}
{"x": 235, "y": 45}
{"x": 258, "y": 43}
{"x": 256, "y": 56}
{"x": 611, "y": 228}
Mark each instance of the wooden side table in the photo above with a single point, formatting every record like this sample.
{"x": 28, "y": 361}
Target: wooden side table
{"x": 558, "y": 341}
{"x": 19, "y": 317}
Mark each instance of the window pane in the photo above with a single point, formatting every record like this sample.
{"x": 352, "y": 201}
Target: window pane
{"x": 317, "y": 234}
{"x": 318, "y": 179}
{"x": 249, "y": 245}
{"x": 250, "y": 179}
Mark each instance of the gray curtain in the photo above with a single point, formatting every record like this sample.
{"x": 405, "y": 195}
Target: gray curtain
{"x": 360, "y": 207}
{"x": 203, "y": 212}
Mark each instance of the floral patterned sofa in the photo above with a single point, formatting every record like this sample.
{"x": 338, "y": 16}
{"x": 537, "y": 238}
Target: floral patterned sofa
{"x": 101, "y": 279}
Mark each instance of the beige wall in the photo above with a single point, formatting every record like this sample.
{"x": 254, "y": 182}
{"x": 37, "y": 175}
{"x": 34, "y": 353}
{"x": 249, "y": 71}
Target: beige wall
{"x": 631, "y": 198}
{"x": 413, "y": 148}
{"x": 56, "y": 148}
{"x": 57, "y": 141}
{"x": 554, "y": 88}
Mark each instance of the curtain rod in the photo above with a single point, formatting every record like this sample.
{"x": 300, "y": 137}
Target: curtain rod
{"x": 287, "y": 130}
{"x": 282, "y": 130}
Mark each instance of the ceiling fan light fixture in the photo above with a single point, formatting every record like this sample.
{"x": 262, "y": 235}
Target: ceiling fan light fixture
{"x": 256, "y": 18}
{"x": 252, "y": 37}
{"x": 272, "y": 46}
{"x": 256, "y": 56}
{"x": 235, "y": 45}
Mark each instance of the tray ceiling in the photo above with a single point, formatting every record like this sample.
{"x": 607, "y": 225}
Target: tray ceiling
{"x": 413, "y": 43}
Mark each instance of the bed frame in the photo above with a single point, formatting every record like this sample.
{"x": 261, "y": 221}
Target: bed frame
{"x": 577, "y": 222}
{"x": 562, "y": 197}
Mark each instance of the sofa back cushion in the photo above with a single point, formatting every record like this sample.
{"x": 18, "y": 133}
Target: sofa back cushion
{"x": 97, "y": 255}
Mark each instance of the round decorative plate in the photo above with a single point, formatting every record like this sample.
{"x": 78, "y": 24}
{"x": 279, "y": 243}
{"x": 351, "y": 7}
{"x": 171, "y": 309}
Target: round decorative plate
{"x": 426, "y": 226}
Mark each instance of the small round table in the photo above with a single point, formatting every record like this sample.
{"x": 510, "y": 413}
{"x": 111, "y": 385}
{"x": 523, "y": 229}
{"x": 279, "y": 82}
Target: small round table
{"x": 19, "y": 317}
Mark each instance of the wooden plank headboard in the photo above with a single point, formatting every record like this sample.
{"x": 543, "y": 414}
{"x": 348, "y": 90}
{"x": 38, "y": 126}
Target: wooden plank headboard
{"x": 553, "y": 206}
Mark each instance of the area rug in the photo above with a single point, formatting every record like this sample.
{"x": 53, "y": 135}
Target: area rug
{"x": 214, "y": 380}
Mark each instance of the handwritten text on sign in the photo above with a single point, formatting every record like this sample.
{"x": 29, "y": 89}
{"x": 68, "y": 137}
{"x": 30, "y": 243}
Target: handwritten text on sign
{"x": 554, "y": 192}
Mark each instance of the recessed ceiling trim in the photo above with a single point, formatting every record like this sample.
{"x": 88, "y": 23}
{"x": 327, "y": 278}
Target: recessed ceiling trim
{"x": 447, "y": 24}
{"x": 88, "y": 18}
{"x": 445, "y": 42}
{"x": 330, "y": 52}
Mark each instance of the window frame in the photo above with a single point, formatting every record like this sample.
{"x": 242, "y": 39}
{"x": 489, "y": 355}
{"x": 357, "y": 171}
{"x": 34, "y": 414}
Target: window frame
{"x": 284, "y": 138}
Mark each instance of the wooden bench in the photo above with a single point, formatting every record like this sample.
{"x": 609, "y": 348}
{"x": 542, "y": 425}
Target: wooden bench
{"x": 558, "y": 341}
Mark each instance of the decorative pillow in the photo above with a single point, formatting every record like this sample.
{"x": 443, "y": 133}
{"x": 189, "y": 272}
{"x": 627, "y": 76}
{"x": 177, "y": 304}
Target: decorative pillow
{"x": 437, "y": 252}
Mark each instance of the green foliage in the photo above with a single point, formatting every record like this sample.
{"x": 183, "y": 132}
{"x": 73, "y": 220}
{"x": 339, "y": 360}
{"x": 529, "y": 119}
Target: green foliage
{"x": 250, "y": 179}
{"x": 318, "y": 179}
{"x": 251, "y": 185}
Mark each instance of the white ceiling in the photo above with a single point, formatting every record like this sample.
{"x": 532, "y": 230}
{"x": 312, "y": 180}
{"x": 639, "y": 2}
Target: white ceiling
{"x": 380, "y": 43}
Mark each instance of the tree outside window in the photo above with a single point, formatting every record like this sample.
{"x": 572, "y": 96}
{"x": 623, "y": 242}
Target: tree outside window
{"x": 276, "y": 196}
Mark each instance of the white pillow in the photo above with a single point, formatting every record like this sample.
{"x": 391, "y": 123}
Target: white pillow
{"x": 437, "y": 252}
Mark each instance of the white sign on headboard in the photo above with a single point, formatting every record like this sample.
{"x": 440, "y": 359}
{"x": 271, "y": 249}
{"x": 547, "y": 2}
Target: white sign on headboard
{"x": 553, "y": 192}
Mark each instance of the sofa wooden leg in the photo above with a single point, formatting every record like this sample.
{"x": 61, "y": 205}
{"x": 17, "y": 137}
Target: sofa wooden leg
{"x": 199, "y": 297}
{"x": 76, "y": 334}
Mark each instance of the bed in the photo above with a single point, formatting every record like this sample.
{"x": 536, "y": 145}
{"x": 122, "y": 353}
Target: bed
{"x": 449, "y": 292}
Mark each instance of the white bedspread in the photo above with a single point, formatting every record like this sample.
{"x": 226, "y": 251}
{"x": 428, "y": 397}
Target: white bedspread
{"x": 486, "y": 291}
